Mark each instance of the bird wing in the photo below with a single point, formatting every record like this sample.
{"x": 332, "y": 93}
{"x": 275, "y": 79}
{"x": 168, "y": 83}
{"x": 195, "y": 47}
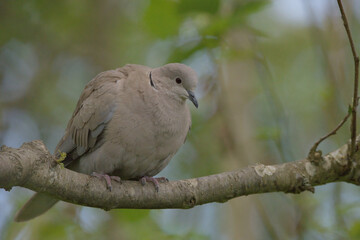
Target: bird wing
{"x": 93, "y": 111}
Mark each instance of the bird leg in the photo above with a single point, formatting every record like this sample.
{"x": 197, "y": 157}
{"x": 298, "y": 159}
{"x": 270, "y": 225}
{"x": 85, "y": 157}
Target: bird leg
{"x": 107, "y": 179}
{"x": 155, "y": 181}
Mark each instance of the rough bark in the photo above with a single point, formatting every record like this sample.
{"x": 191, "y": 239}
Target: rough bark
{"x": 32, "y": 166}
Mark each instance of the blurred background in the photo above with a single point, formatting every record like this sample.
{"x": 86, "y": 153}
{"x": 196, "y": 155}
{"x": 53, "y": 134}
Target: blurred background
{"x": 275, "y": 76}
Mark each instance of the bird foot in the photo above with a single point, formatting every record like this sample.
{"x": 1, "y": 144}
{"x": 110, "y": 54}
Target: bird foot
{"x": 107, "y": 179}
{"x": 155, "y": 181}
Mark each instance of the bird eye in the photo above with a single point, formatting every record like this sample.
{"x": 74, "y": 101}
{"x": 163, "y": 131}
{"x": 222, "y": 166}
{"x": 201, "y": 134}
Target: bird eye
{"x": 178, "y": 80}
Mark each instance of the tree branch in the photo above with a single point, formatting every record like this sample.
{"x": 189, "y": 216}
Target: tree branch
{"x": 356, "y": 78}
{"x": 33, "y": 167}
{"x": 314, "y": 155}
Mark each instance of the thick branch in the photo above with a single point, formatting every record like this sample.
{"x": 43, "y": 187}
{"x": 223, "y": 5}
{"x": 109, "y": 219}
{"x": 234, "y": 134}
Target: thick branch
{"x": 33, "y": 167}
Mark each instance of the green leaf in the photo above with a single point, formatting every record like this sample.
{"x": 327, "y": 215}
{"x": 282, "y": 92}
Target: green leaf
{"x": 183, "y": 52}
{"x": 354, "y": 231}
{"x": 161, "y": 18}
{"x": 251, "y": 7}
{"x": 208, "y": 6}
{"x": 244, "y": 10}
{"x": 221, "y": 24}
{"x": 218, "y": 26}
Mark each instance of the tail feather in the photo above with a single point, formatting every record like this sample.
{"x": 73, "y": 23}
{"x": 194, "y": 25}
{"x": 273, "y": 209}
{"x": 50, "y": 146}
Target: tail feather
{"x": 37, "y": 205}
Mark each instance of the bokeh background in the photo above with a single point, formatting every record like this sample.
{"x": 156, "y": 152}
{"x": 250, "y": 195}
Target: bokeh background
{"x": 274, "y": 77}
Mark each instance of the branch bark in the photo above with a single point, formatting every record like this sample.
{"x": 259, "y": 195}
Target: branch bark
{"x": 32, "y": 166}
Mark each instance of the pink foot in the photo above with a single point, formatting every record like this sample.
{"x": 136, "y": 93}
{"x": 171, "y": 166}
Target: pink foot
{"x": 155, "y": 181}
{"x": 107, "y": 179}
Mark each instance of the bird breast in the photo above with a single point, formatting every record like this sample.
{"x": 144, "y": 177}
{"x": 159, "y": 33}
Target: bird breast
{"x": 143, "y": 137}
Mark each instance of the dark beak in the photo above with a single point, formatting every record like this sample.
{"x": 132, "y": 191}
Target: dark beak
{"x": 193, "y": 98}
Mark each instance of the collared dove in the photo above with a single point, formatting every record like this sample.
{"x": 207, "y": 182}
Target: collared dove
{"x": 128, "y": 124}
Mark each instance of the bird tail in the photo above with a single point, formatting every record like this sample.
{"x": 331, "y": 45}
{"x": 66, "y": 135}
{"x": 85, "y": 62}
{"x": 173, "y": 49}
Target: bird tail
{"x": 37, "y": 205}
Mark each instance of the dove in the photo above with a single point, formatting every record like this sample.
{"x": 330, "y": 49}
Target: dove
{"x": 128, "y": 124}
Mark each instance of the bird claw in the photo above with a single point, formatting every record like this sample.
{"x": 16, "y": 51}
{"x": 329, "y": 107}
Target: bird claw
{"x": 107, "y": 179}
{"x": 155, "y": 181}
{"x": 162, "y": 179}
{"x": 116, "y": 179}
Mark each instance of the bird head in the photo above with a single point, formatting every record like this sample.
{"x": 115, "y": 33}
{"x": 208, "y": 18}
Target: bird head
{"x": 176, "y": 80}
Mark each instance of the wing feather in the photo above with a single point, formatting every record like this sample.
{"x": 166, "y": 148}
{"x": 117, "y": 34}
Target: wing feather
{"x": 93, "y": 111}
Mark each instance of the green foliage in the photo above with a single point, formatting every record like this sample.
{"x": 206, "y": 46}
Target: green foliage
{"x": 197, "y": 6}
{"x": 266, "y": 133}
{"x": 354, "y": 231}
{"x": 161, "y": 18}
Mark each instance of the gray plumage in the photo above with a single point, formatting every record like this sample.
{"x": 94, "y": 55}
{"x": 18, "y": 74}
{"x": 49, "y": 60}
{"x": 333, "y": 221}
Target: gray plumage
{"x": 129, "y": 122}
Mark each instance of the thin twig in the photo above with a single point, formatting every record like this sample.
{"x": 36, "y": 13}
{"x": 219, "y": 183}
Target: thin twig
{"x": 356, "y": 80}
{"x": 313, "y": 151}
